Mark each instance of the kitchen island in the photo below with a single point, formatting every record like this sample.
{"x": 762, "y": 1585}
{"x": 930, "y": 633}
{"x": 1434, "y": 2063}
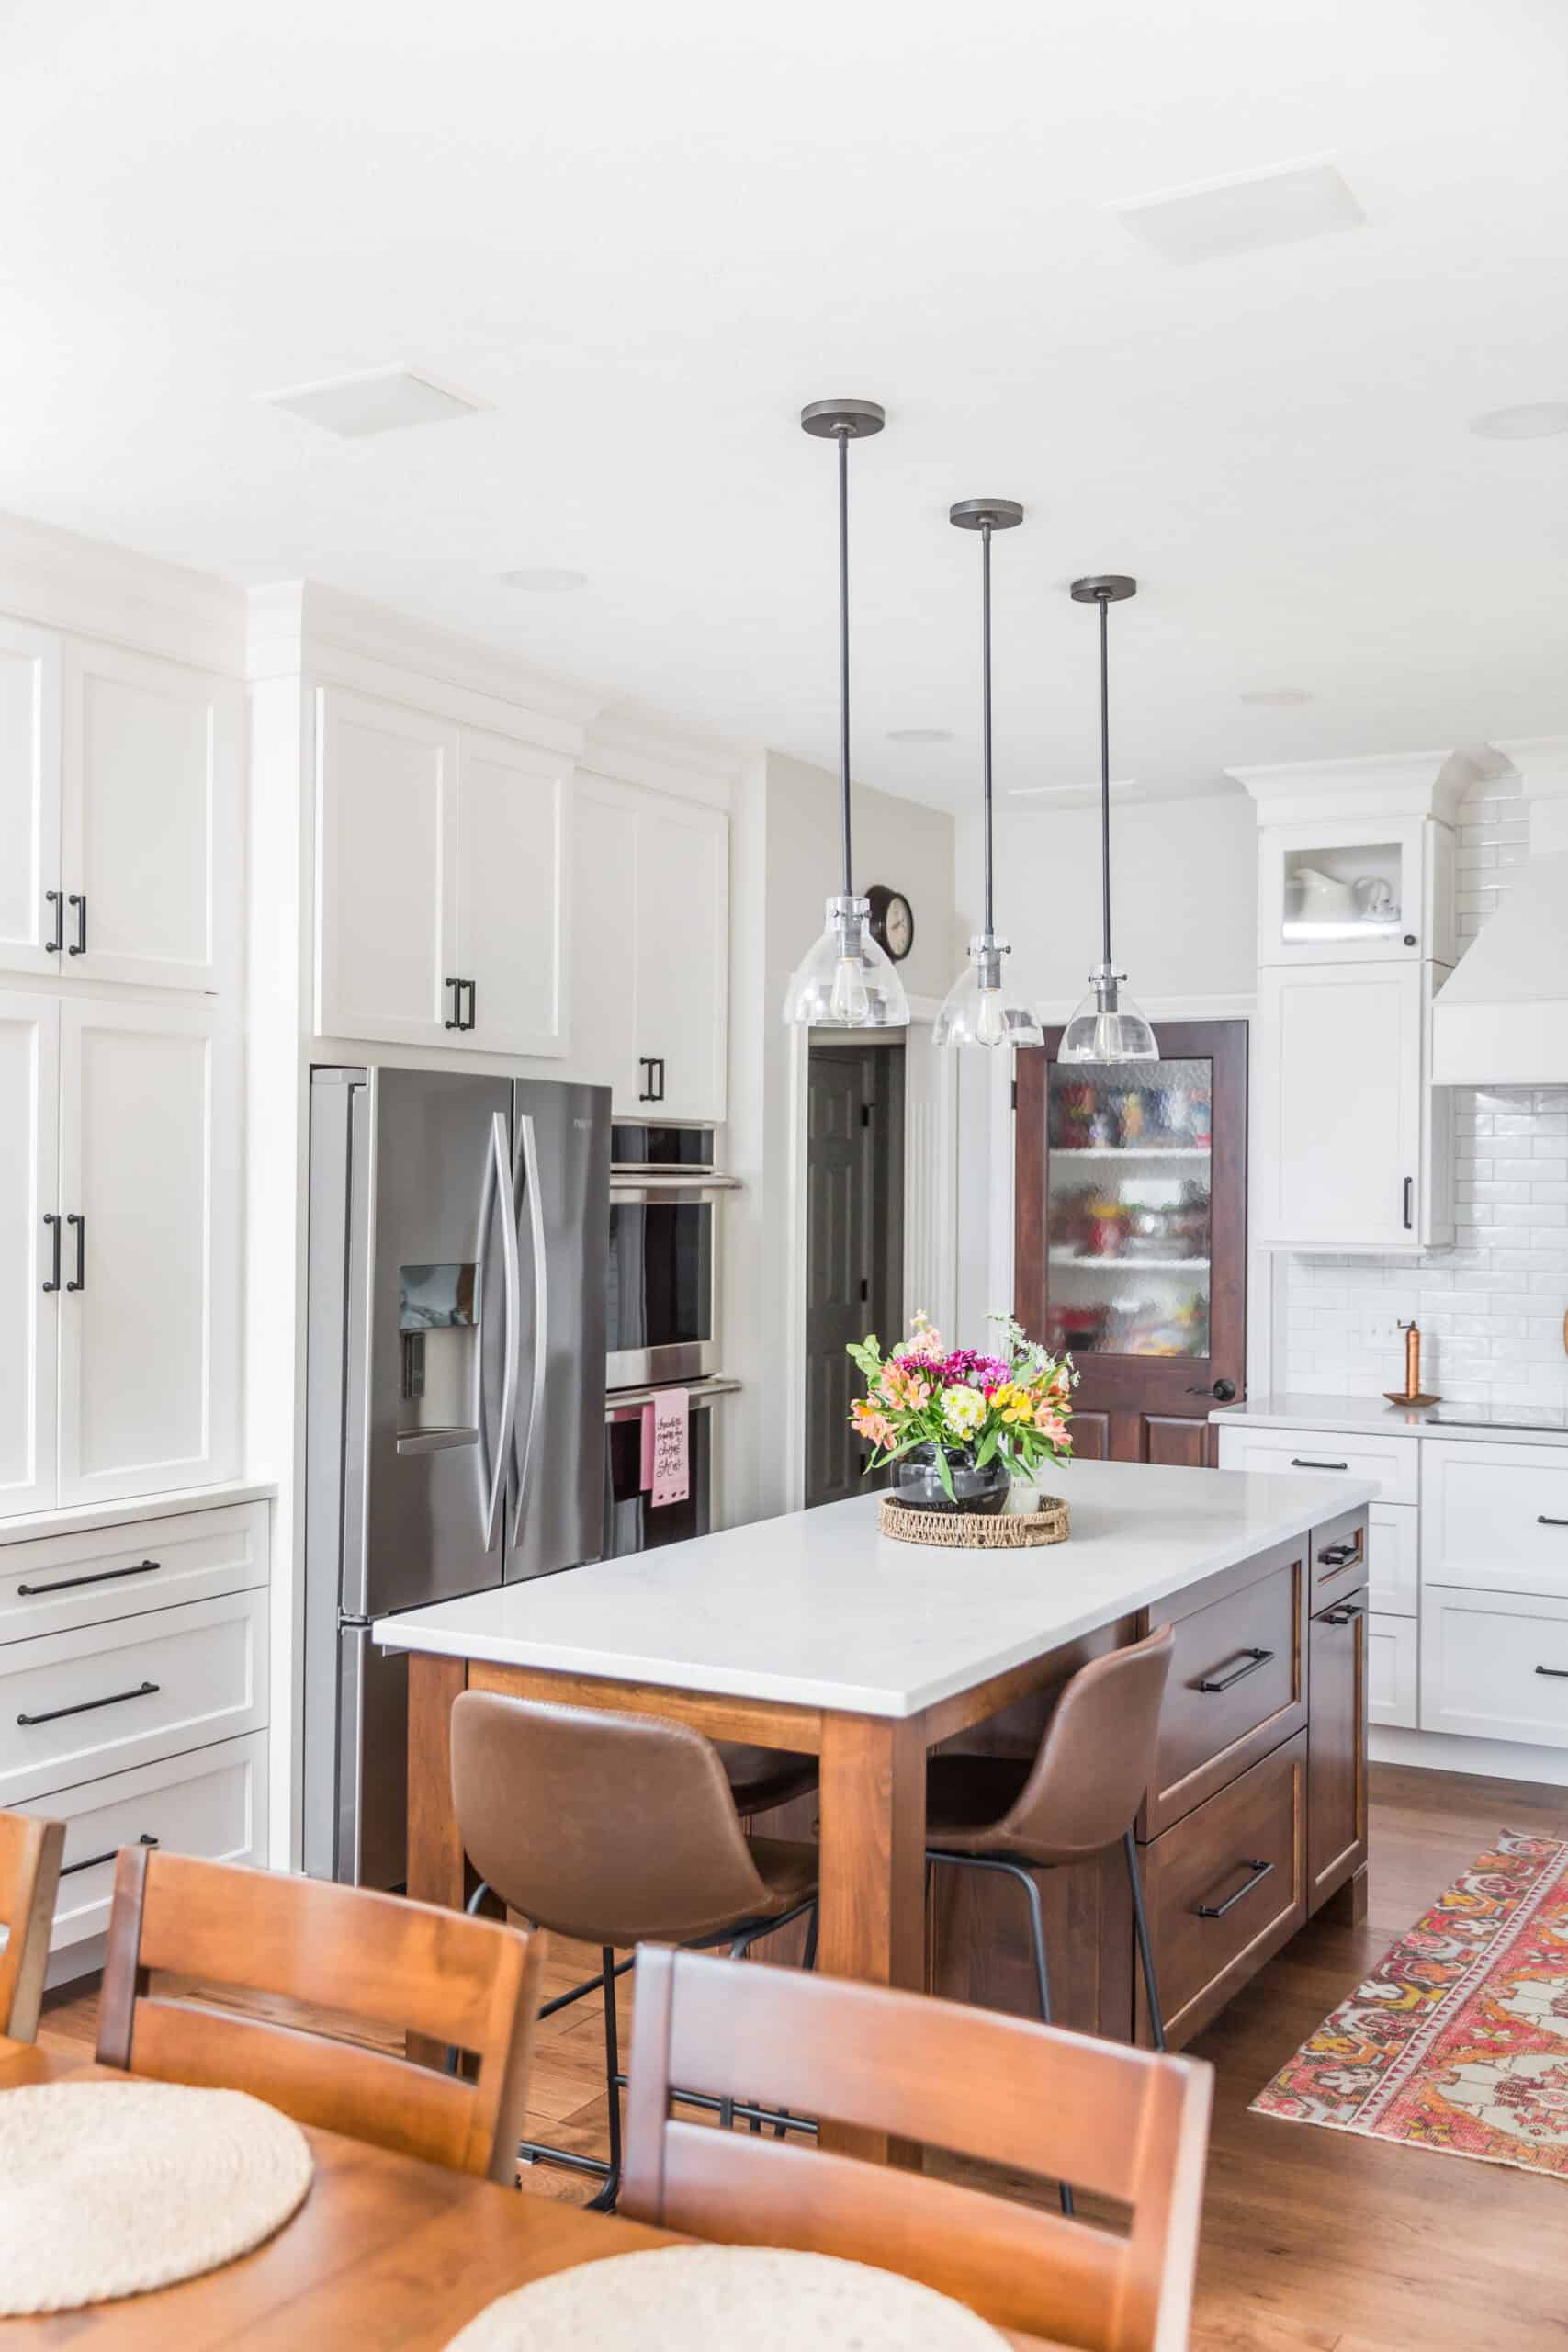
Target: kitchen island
{"x": 814, "y": 1632}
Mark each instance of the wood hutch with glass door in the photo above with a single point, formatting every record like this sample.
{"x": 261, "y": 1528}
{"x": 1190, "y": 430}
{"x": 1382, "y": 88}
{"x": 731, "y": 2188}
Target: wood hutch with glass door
{"x": 1129, "y": 1234}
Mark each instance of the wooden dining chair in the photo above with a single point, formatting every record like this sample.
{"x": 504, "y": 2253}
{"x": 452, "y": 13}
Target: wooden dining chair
{"x": 29, "y": 1873}
{"x": 389, "y": 1962}
{"x": 1128, "y": 2124}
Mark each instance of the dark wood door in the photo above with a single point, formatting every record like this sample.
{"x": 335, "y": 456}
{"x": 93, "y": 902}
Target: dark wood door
{"x": 854, "y": 1245}
{"x": 1130, "y": 1240}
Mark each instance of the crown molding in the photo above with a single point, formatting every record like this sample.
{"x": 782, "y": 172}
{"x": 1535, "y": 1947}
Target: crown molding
{"x": 1405, "y": 784}
{"x": 61, "y": 580}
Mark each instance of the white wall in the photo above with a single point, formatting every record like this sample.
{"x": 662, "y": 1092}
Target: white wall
{"x": 783, "y": 864}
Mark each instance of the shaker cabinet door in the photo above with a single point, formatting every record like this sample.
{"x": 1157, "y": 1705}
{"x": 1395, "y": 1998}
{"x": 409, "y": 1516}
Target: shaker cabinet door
{"x": 683, "y": 884}
{"x": 513, "y": 895}
{"x": 30, "y": 798}
{"x": 1337, "y": 1746}
{"x": 30, "y": 1044}
{"x": 150, "y": 819}
{"x": 148, "y": 1185}
{"x": 386, "y": 871}
{"x": 1338, "y": 1069}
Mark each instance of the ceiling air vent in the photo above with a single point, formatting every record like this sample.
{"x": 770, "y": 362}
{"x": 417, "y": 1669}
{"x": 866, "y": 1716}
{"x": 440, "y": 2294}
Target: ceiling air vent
{"x": 377, "y": 402}
{"x": 1244, "y": 214}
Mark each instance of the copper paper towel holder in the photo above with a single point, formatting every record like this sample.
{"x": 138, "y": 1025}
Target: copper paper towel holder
{"x": 1414, "y": 1394}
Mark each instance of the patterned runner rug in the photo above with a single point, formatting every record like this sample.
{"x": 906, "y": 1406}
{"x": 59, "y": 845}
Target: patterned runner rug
{"x": 1457, "y": 2040}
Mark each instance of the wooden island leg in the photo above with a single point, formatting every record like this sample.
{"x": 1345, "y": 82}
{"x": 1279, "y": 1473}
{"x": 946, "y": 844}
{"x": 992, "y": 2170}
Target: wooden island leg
{"x": 436, "y": 1870}
{"x": 874, "y": 1875}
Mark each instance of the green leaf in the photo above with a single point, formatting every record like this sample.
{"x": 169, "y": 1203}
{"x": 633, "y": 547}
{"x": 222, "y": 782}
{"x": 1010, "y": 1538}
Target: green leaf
{"x": 944, "y": 1474}
{"x": 988, "y": 1447}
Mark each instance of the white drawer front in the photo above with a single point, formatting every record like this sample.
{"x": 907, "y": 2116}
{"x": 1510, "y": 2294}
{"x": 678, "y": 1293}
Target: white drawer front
{"x": 1495, "y": 1517}
{"x": 211, "y": 1802}
{"x": 58, "y": 1581}
{"x": 1390, "y": 1461}
{"x": 1495, "y": 1665}
{"x": 1394, "y": 1546}
{"x": 206, "y": 1667}
{"x": 1392, "y": 1654}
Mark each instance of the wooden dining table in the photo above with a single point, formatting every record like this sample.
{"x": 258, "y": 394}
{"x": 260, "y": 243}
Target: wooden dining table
{"x": 386, "y": 2251}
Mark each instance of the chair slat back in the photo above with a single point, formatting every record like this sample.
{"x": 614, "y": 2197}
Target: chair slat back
{"x": 1124, "y": 2122}
{"x": 29, "y": 1874}
{"x": 387, "y": 1961}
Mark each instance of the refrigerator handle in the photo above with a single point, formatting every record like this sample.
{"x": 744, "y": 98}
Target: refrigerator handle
{"x": 541, "y": 1292}
{"x": 498, "y": 1185}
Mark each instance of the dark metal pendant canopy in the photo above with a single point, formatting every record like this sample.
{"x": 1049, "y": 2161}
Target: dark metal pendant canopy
{"x": 1107, "y": 1026}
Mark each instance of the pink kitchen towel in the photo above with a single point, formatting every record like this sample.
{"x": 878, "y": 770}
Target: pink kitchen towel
{"x": 666, "y": 1453}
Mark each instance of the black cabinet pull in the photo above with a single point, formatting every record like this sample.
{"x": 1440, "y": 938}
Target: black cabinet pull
{"x": 99, "y": 1576}
{"x": 1337, "y": 1555}
{"x": 1260, "y": 1871}
{"x": 93, "y": 1861}
{"x": 1541, "y": 1518}
{"x": 1298, "y": 1463}
{"x": 456, "y": 988}
{"x": 1409, "y": 1203}
{"x": 472, "y": 999}
{"x": 653, "y": 1085}
{"x": 78, "y": 901}
{"x": 86, "y": 1706}
{"x": 81, "y": 1224}
{"x": 1558, "y": 1673}
{"x": 1252, "y": 1660}
{"x": 1345, "y": 1614}
{"x": 55, "y": 899}
{"x": 53, "y": 1225}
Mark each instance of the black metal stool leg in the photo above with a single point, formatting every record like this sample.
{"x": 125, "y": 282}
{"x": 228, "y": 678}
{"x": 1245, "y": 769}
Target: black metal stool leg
{"x": 1145, "y": 1949}
{"x": 605, "y": 2200}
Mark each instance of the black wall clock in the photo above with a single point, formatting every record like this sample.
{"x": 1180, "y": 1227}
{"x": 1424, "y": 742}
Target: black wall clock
{"x": 892, "y": 920}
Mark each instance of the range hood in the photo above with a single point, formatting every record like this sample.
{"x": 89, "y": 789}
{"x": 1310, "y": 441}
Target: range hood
{"x": 1501, "y": 1018}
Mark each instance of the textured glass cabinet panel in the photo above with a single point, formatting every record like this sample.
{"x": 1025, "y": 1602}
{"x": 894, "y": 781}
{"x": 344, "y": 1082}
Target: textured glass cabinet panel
{"x": 1342, "y": 891}
{"x": 1128, "y": 1207}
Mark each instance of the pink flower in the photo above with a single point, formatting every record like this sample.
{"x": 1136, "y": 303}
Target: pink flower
{"x": 870, "y": 1423}
{"x": 1050, "y": 1424}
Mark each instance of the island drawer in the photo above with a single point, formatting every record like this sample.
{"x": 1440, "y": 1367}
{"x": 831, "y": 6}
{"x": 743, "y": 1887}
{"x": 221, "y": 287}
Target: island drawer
{"x": 1392, "y": 1462}
{"x": 53, "y": 1582}
{"x": 1340, "y": 1551}
{"x": 1225, "y": 1888}
{"x": 1237, "y": 1687}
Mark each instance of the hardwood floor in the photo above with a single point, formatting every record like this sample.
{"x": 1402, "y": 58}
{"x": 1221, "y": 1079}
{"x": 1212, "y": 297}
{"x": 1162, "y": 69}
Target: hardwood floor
{"x": 1313, "y": 2241}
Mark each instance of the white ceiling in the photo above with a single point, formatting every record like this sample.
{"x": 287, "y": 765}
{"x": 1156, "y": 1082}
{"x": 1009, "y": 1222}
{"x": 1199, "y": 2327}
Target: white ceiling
{"x": 644, "y": 233}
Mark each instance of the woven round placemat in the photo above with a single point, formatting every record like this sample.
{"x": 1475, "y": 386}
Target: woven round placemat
{"x": 969, "y": 1531}
{"x": 713, "y": 2298}
{"x": 111, "y": 2189}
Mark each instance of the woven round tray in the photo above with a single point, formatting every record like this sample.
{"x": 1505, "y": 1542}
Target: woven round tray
{"x": 971, "y": 1530}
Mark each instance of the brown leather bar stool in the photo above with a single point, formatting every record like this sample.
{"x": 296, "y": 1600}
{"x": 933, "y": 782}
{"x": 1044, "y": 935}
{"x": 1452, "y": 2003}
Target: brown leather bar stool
{"x": 1080, "y": 1795}
{"x": 761, "y": 1778}
{"x": 614, "y": 1830}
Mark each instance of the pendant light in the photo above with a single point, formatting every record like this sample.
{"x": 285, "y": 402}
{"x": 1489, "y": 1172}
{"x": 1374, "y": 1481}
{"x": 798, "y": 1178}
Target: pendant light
{"x": 845, "y": 981}
{"x": 978, "y": 1010}
{"x": 1107, "y": 1026}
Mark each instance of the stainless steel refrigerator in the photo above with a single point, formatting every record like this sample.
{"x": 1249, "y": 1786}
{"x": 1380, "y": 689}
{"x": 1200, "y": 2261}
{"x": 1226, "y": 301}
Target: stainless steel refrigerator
{"x": 454, "y": 1438}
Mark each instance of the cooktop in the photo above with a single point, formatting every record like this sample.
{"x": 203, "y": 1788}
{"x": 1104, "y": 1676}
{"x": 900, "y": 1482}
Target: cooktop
{"x": 1501, "y": 1417}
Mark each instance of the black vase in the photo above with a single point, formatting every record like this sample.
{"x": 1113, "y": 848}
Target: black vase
{"x": 917, "y": 1481}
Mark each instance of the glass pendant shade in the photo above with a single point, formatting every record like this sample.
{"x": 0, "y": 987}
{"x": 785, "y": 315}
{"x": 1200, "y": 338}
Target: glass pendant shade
{"x": 844, "y": 980}
{"x": 979, "y": 1010}
{"x": 1108, "y": 1027}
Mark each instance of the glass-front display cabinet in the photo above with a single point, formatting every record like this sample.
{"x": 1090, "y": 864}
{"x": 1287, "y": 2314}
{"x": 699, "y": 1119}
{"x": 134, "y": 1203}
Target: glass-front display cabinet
{"x": 1130, "y": 1245}
{"x": 1356, "y": 891}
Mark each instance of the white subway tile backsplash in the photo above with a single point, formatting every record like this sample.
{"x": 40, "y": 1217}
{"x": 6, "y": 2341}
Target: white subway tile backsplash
{"x": 1491, "y": 1308}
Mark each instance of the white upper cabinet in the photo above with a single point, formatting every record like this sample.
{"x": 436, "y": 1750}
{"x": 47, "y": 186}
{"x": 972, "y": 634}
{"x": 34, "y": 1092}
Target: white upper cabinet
{"x": 31, "y": 910}
{"x": 650, "y": 965}
{"x": 29, "y": 1045}
{"x": 513, "y": 895}
{"x": 1356, "y": 891}
{"x": 1350, "y": 1133}
{"x": 386, "y": 872}
{"x": 149, "y": 1191}
{"x": 149, "y": 825}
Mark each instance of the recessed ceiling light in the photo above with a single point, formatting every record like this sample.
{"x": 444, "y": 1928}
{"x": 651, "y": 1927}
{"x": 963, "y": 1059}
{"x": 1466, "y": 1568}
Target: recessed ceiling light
{"x": 1277, "y": 698}
{"x": 547, "y": 578}
{"x": 1533, "y": 421}
{"x": 919, "y": 734}
{"x": 377, "y": 401}
{"x": 1245, "y": 213}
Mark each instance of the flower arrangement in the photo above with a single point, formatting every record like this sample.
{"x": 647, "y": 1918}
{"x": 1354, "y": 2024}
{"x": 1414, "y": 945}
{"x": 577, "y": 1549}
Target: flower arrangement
{"x": 1015, "y": 1404}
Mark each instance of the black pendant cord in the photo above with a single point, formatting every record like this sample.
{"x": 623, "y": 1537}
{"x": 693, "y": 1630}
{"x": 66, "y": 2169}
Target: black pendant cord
{"x": 986, "y": 710}
{"x": 1104, "y": 603}
{"x": 844, "y": 439}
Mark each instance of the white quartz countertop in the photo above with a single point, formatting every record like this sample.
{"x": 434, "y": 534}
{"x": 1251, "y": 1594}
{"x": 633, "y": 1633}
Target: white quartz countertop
{"x": 1371, "y": 1417}
{"x": 818, "y": 1608}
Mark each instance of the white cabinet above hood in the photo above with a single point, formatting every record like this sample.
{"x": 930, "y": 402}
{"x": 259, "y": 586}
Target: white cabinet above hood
{"x": 1502, "y": 1019}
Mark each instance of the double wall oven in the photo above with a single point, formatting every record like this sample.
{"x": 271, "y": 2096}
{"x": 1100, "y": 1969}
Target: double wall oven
{"x": 661, "y": 1321}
